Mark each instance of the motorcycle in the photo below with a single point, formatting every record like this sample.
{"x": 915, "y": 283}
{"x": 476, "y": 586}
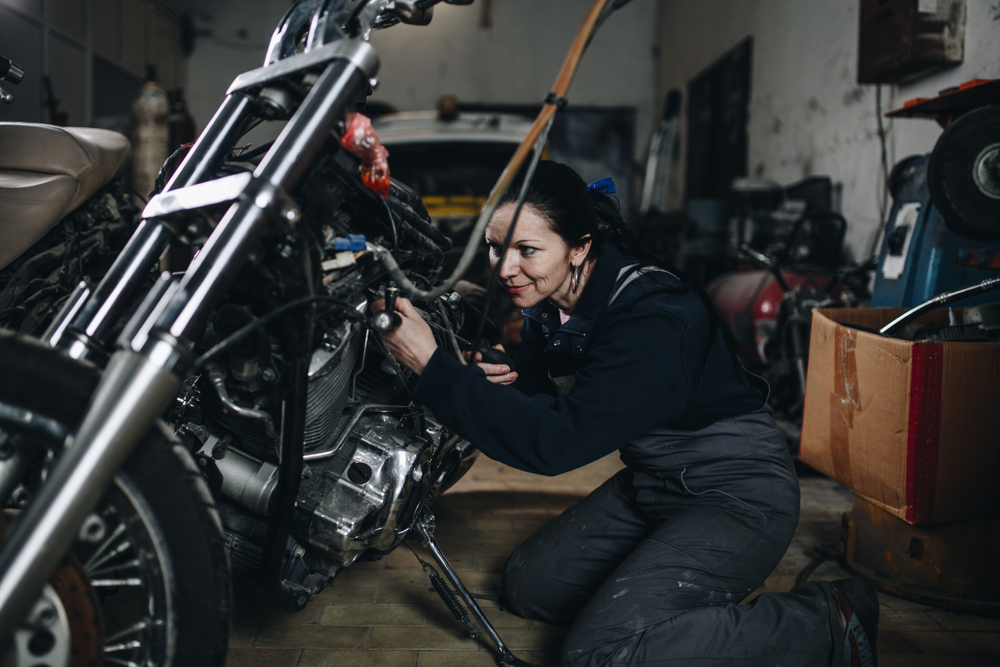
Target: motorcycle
{"x": 66, "y": 217}
{"x": 241, "y": 413}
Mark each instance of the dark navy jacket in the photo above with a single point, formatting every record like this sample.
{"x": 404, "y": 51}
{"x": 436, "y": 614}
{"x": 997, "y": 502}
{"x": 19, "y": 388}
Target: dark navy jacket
{"x": 635, "y": 354}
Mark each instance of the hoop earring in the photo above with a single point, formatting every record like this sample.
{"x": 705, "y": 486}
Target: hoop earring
{"x": 574, "y": 283}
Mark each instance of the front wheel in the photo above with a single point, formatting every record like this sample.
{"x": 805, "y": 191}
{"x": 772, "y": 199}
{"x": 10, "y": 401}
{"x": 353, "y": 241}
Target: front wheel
{"x": 147, "y": 580}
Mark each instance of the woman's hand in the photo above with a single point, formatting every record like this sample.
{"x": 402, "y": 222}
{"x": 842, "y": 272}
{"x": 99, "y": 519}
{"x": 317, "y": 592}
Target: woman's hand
{"x": 496, "y": 373}
{"x": 411, "y": 343}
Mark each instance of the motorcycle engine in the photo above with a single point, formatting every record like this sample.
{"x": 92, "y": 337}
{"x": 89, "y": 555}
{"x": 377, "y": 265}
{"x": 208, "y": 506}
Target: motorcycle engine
{"x": 371, "y": 458}
{"x": 371, "y": 466}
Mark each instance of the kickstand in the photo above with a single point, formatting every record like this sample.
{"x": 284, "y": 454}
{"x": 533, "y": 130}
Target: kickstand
{"x": 425, "y": 526}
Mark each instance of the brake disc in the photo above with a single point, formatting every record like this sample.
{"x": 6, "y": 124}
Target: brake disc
{"x": 63, "y": 629}
{"x": 79, "y": 600}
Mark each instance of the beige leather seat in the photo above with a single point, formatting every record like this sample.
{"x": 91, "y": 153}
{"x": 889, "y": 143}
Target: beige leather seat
{"x": 46, "y": 172}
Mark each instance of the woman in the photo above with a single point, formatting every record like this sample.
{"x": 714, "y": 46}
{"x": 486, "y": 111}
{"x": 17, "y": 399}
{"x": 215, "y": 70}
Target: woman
{"x": 621, "y": 354}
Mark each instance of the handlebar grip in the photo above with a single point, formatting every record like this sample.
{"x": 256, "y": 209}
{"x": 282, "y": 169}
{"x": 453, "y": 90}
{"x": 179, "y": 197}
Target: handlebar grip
{"x": 391, "y": 294}
{"x": 10, "y": 71}
{"x": 759, "y": 258}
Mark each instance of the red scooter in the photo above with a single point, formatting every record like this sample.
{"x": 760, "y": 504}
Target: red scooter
{"x": 769, "y": 310}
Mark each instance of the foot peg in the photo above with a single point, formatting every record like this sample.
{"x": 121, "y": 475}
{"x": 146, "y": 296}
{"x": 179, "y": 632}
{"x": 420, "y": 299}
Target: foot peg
{"x": 425, "y": 527}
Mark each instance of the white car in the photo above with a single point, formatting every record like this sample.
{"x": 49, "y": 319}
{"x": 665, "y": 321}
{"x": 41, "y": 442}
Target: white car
{"x": 451, "y": 161}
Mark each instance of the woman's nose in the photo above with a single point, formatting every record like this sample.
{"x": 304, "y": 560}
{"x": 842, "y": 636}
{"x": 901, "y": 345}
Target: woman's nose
{"x": 509, "y": 268}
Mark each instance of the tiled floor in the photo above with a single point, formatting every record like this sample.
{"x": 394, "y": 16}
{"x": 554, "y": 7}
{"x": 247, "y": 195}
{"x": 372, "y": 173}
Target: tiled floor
{"x": 384, "y": 614}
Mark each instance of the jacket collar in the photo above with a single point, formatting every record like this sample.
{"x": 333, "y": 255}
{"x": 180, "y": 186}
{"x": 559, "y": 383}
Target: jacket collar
{"x": 595, "y": 296}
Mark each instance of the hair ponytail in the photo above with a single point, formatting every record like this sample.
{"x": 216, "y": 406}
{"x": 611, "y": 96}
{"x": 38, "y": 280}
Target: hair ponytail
{"x": 611, "y": 223}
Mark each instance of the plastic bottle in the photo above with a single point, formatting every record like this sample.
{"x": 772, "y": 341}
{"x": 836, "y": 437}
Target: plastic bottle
{"x": 150, "y": 132}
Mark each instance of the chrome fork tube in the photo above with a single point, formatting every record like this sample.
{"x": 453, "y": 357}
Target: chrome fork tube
{"x": 91, "y": 321}
{"x": 139, "y": 383}
{"x": 82, "y": 338}
{"x": 210, "y": 150}
{"x": 69, "y": 310}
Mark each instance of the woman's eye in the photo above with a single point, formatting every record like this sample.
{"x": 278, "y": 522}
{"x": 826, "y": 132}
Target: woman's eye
{"x": 494, "y": 248}
{"x": 528, "y": 250}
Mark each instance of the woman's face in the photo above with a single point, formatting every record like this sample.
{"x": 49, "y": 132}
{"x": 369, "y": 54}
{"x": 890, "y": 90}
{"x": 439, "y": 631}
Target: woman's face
{"x": 538, "y": 264}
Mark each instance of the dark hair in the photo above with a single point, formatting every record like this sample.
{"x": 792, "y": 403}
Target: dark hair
{"x": 559, "y": 194}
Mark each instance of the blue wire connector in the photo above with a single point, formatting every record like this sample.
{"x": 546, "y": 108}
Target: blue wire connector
{"x": 352, "y": 242}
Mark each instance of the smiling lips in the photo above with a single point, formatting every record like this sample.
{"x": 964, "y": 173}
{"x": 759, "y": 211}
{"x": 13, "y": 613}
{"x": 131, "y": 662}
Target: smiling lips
{"x": 517, "y": 289}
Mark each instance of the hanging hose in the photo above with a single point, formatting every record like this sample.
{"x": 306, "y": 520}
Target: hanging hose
{"x": 555, "y": 100}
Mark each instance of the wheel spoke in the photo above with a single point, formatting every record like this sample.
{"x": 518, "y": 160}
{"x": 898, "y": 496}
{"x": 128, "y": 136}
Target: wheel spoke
{"x": 114, "y": 568}
{"x": 107, "y": 583}
{"x": 124, "y": 646}
{"x": 138, "y": 627}
{"x": 119, "y": 661}
{"x": 117, "y": 551}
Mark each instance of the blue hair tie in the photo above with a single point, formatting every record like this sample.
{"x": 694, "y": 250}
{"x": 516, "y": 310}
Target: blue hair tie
{"x": 605, "y": 185}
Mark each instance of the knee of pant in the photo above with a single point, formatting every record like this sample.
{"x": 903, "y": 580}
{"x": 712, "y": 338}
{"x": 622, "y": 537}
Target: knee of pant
{"x": 516, "y": 589}
{"x": 581, "y": 648}
{"x": 576, "y": 650}
{"x": 525, "y": 590}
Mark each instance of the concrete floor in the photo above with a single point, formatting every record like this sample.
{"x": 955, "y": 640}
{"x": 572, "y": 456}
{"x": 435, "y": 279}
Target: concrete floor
{"x": 384, "y": 614}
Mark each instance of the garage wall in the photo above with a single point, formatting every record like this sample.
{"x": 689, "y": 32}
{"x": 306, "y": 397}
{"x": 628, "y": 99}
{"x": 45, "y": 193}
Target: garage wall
{"x": 515, "y": 60}
{"x": 807, "y": 114}
{"x": 60, "y": 38}
{"x": 518, "y": 57}
{"x": 232, "y": 37}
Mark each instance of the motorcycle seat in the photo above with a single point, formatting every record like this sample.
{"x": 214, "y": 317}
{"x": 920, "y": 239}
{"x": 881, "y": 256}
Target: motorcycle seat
{"x": 46, "y": 172}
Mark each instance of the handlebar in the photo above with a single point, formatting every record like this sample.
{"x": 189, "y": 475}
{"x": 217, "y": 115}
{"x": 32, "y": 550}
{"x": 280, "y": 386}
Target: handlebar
{"x": 938, "y": 301}
{"x": 10, "y": 71}
{"x": 754, "y": 257}
{"x": 420, "y": 12}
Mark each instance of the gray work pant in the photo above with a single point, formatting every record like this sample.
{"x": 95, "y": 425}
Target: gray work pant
{"x": 650, "y": 567}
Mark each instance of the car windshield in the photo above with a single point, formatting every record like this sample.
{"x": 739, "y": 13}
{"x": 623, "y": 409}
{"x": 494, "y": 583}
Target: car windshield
{"x": 446, "y": 168}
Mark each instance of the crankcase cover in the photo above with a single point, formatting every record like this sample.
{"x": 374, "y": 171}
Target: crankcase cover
{"x": 372, "y": 501}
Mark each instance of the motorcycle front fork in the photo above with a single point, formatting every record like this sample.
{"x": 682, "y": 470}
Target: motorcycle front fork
{"x": 425, "y": 528}
{"x": 141, "y": 379}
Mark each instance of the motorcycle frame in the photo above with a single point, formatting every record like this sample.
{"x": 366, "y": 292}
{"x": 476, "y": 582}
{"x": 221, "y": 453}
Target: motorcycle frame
{"x": 143, "y": 376}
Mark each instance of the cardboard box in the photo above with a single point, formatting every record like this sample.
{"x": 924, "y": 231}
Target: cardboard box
{"x": 912, "y": 427}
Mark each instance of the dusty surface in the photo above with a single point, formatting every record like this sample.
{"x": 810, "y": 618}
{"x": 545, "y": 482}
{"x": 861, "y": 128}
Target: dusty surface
{"x": 384, "y": 614}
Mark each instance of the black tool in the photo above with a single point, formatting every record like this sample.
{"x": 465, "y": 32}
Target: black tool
{"x": 387, "y": 319}
{"x": 490, "y": 355}
{"x": 494, "y": 356}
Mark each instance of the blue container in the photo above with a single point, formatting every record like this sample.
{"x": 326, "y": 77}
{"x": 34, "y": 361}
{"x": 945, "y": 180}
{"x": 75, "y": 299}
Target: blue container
{"x": 921, "y": 256}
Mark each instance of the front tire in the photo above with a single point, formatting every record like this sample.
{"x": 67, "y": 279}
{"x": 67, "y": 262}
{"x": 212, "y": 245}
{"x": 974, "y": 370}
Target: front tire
{"x": 152, "y": 550}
